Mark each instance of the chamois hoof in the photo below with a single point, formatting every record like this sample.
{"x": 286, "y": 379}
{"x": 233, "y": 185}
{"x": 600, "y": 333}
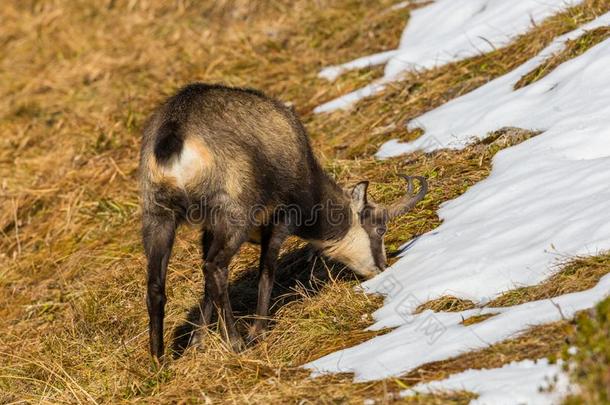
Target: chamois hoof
{"x": 237, "y": 344}
{"x": 159, "y": 362}
{"x": 255, "y": 334}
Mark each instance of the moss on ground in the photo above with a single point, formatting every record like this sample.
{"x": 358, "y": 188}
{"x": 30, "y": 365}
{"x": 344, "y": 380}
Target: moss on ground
{"x": 590, "y": 364}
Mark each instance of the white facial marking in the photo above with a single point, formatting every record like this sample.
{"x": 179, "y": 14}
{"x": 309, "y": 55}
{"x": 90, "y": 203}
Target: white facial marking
{"x": 353, "y": 250}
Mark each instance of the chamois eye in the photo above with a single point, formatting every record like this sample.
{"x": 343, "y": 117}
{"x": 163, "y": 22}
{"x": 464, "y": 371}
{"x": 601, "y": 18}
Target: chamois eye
{"x": 381, "y": 231}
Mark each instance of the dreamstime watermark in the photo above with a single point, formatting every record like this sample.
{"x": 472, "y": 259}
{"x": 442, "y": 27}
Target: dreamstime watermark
{"x": 227, "y": 213}
{"x": 429, "y": 325}
{"x": 429, "y": 143}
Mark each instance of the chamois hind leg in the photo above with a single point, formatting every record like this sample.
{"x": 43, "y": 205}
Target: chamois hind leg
{"x": 158, "y": 234}
{"x": 203, "y": 316}
{"x": 271, "y": 242}
{"x": 206, "y": 305}
{"x": 217, "y": 263}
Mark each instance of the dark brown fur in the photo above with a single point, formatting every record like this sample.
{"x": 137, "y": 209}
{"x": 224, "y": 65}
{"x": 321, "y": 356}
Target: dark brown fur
{"x": 224, "y": 153}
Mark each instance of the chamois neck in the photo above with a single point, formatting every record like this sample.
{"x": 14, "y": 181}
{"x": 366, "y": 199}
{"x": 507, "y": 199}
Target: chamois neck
{"x": 331, "y": 215}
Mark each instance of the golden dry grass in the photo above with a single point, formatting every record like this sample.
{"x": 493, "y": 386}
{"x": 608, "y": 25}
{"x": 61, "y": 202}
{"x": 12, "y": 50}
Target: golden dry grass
{"x": 573, "y": 48}
{"x": 476, "y": 319}
{"x": 447, "y": 303}
{"x": 578, "y": 274}
{"x": 354, "y": 133}
{"x": 540, "y": 341}
{"x": 77, "y": 79}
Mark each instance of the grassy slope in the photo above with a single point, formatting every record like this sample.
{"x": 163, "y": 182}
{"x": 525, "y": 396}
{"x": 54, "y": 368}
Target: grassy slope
{"x": 76, "y": 82}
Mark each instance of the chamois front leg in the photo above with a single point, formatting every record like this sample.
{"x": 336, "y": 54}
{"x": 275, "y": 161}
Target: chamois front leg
{"x": 271, "y": 242}
{"x": 158, "y": 236}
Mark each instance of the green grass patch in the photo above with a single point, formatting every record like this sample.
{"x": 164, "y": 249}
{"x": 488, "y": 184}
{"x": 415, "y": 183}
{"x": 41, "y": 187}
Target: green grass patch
{"x": 590, "y": 365}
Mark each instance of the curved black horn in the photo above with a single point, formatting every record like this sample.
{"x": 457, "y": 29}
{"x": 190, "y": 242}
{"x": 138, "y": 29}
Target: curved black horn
{"x": 408, "y": 201}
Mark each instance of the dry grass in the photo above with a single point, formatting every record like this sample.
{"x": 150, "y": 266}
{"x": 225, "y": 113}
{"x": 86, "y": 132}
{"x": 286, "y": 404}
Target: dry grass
{"x": 577, "y": 275}
{"x": 540, "y": 341}
{"x": 354, "y": 133}
{"x": 446, "y": 303}
{"x": 77, "y": 79}
{"x": 573, "y": 48}
{"x": 476, "y": 319}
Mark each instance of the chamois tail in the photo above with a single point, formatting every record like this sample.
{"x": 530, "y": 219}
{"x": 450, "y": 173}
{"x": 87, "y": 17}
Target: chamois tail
{"x": 169, "y": 141}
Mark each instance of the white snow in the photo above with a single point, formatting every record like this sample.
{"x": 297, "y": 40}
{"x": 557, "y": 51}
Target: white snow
{"x": 545, "y": 200}
{"x": 559, "y": 99}
{"x": 433, "y": 336}
{"x": 331, "y": 73}
{"x": 525, "y": 382}
{"x": 347, "y": 100}
{"x": 446, "y": 31}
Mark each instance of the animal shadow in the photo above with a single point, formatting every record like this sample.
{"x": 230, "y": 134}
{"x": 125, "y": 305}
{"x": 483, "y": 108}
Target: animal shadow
{"x": 301, "y": 268}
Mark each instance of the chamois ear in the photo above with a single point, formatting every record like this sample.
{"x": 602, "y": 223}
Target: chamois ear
{"x": 359, "y": 195}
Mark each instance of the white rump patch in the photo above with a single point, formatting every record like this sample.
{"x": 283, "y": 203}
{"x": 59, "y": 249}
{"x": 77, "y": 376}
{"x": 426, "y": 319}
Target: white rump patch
{"x": 187, "y": 167}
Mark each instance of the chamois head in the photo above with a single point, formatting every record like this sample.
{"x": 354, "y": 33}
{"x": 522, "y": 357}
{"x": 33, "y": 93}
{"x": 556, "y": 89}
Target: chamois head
{"x": 362, "y": 248}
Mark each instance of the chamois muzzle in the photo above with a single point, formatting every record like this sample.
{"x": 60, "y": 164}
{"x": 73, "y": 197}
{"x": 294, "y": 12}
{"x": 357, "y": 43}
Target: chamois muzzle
{"x": 408, "y": 201}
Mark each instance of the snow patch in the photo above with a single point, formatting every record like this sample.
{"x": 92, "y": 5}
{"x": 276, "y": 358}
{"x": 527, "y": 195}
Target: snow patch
{"x": 446, "y": 31}
{"x": 545, "y": 200}
{"x": 434, "y": 336}
{"x": 564, "y": 97}
{"x": 524, "y": 382}
{"x": 332, "y": 72}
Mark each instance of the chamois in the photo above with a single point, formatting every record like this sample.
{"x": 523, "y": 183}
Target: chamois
{"x": 240, "y": 165}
